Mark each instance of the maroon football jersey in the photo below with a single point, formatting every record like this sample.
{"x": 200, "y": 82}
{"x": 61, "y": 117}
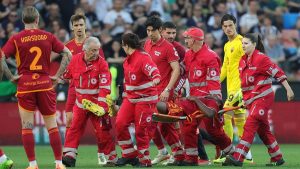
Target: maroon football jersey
{"x": 32, "y": 49}
{"x": 75, "y": 48}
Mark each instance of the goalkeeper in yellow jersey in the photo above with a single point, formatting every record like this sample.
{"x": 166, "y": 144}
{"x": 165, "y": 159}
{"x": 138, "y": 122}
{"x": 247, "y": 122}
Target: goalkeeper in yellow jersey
{"x": 232, "y": 54}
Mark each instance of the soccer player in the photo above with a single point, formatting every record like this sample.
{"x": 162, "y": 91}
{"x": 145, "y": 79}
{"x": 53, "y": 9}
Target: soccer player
{"x": 202, "y": 68}
{"x": 166, "y": 58}
{"x": 91, "y": 78}
{"x": 233, "y": 52}
{"x": 5, "y": 162}
{"x": 75, "y": 46}
{"x": 32, "y": 48}
{"x": 169, "y": 33}
{"x": 256, "y": 82}
{"x": 141, "y": 78}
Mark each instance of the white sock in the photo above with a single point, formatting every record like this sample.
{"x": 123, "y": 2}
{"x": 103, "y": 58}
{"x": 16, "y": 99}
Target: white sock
{"x": 101, "y": 155}
{"x": 58, "y": 162}
{"x": 249, "y": 155}
{"x": 163, "y": 151}
{"x": 33, "y": 163}
{"x": 3, "y": 158}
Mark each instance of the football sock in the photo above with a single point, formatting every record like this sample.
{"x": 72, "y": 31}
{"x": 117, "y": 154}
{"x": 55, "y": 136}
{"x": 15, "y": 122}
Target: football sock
{"x": 28, "y": 143}
{"x": 32, "y": 163}
{"x": 228, "y": 128}
{"x": 58, "y": 162}
{"x": 239, "y": 123}
{"x": 55, "y": 143}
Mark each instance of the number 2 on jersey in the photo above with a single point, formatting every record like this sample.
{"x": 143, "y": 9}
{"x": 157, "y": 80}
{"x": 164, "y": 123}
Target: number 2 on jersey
{"x": 38, "y": 52}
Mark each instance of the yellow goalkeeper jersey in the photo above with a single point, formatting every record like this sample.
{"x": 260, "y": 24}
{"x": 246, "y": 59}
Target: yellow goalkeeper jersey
{"x": 233, "y": 52}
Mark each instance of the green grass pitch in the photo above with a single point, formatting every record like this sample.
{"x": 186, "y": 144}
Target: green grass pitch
{"x": 87, "y": 158}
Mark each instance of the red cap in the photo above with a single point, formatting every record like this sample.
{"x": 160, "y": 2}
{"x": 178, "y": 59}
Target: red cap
{"x": 195, "y": 33}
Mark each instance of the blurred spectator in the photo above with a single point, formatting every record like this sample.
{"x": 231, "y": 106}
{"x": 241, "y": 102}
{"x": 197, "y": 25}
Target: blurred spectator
{"x": 219, "y": 8}
{"x": 88, "y": 12}
{"x": 14, "y": 5}
{"x": 3, "y": 37}
{"x": 184, "y": 7}
{"x": 216, "y": 29}
{"x": 257, "y": 28}
{"x": 96, "y": 29}
{"x": 294, "y": 6}
{"x": 267, "y": 29}
{"x": 234, "y": 8}
{"x": 274, "y": 50}
{"x": 210, "y": 40}
{"x": 294, "y": 62}
{"x": 4, "y": 10}
{"x": 249, "y": 19}
{"x": 63, "y": 35}
{"x": 298, "y": 26}
{"x": 139, "y": 16}
{"x": 106, "y": 41}
{"x": 160, "y": 6}
{"x": 116, "y": 59}
{"x": 274, "y": 9}
{"x": 54, "y": 27}
{"x": 53, "y": 13}
{"x": 197, "y": 19}
{"x": 100, "y": 7}
{"x": 15, "y": 20}
{"x": 117, "y": 20}
{"x": 178, "y": 20}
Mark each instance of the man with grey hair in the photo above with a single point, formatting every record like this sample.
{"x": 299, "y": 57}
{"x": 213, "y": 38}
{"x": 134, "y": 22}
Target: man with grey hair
{"x": 92, "y": 79}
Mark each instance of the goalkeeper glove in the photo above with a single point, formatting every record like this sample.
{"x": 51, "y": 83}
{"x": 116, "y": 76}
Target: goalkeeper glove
{"x": 234, "y": 99}
{"x": 93, "y": 107}
{"x": 111, "y": 106}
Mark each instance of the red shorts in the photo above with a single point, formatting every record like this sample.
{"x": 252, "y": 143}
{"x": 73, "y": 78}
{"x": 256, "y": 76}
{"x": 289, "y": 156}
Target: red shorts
{"x": 71, "y": 98}
{"x": 45, "y": 101}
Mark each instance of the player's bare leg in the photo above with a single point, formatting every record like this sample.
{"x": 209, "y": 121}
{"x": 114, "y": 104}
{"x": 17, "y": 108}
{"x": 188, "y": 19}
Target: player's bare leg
{"x": 27, "y": 119}
{"x": 55, "y": 140}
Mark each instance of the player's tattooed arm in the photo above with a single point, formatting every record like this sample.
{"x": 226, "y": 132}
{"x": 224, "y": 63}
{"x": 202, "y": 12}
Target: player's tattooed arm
{"x": 5, "y": 70}
{"x": 66, "y": 58}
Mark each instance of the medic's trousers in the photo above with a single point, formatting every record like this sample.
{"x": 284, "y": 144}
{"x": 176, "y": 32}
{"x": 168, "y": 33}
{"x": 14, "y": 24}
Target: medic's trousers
{"x": 257, "y": 121}
{"x": 170, "y": 134}
{"x": 212, "y": 125}
{"x": 102, "y": 126}
{"x": 141, "y": 115}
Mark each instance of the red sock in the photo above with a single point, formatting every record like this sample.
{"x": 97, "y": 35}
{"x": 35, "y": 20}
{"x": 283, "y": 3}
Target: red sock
{"x": 55, "y": 143}
{"x": 28, "y": 143}
{"x": 1, "y": 152}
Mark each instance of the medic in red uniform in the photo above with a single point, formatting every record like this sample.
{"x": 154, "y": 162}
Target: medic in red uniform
{"x": 256, "y": 74}
{"x": 141, "y": 77}
{"x": 91, "y": 78}
{"x": 202, "y": 68}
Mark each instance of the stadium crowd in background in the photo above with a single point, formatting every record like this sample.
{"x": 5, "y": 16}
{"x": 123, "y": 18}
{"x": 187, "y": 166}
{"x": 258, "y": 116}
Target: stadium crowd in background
{"x": 146, "y": 81}
{"x": 109, "y": 19}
